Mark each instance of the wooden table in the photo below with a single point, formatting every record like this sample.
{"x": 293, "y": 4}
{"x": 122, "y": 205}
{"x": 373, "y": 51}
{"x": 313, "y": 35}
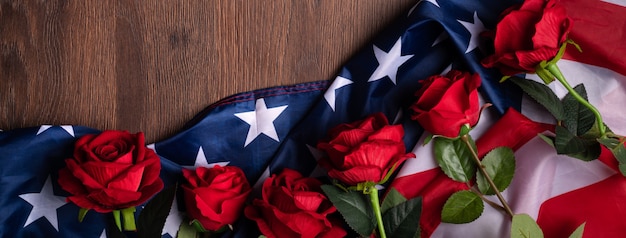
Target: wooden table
{"x": 152, "y": 65}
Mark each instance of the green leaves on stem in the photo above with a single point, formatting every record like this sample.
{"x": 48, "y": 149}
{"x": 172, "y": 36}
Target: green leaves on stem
{"x": 354, "y": 208}
{"x": 462, "y": 207}
{"x": 400, "y": 217}
{"x": 500, "y": 166}
{"x": 455, "y": 158}
{"x": 578, "y": 130}
{"x": 459, "y": 160}
{"x": 543, "y": 95}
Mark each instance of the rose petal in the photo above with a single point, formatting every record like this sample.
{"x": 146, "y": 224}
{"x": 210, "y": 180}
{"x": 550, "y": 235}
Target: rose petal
{"x": 351, "y": 137}
{"x": 69, "y": 183}
{"x": 308, "y": 201}
{"x": 113, "y": 199}
{"x": 87, "y": 203}
{"x": 140, "y": 147}
{"x": 533, "y": 5}
{"x": 392, "y": 133}
{"x": 128, "y": 181}
{"x": 376, "y": 153}
{"x": 357, "y": 175}
{"x": 104, "y": 172}
{"x": 263, "y": 214}
{"x": 515, "y": 32}
{"x": 432, "y": 94}
{"x": 552, "y": 29}
{"x": 152, "y": 165}
{"x": 530, "y": 59}
{"x": 147, "y": 191}
{"x": 79, "y": 173}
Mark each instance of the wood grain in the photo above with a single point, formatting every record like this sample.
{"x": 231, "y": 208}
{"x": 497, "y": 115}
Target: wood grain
{"x": 152, "y": 65}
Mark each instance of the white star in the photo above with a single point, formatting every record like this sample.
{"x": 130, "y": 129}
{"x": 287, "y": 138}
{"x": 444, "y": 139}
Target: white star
{"x": 151, "y": 146}
{"x": 259, "y": 183}
{"x": 45, "y": 204}
{"x": 474, "y": 29}
{"x": 103, "y": 234}
{"x": 389, "y": 62}
{"x": 201, "y": 161}
{"x": 446, "y": 70}
{"x": 317, "y": 154}
{"x": 261, "y": 120}
{"x": 434, "y": 2}
{"x": 330, "y": 93}
{"x": 173, "y": 220}
{"x": 444, "y": 35}
{"x": 398, "y": 117}
{"x": 67, "y": 128}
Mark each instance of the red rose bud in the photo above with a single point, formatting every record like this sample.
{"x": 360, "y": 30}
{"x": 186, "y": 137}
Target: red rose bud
{"x": 111, "y": 171}
{"x": 446, "y": 103}
{"x": 215, "y": 196}
{"x": 294, "y": 206}
{"x": 363, "y": 151}
{"x": 527, "y": 35}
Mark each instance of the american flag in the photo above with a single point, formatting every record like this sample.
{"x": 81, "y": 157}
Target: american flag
{"x": 266, "y": 130}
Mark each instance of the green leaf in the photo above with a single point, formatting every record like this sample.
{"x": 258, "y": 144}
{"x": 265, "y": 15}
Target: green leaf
{"x": 616, "y": 147}
{"x": 112, "y": 230}
{"x": 524, "y": 226}
{"x": 129, "y": 218}
{"x": 186, "y": 230}
{"x": 583, "y": 149}
{"x": 198, "y": 226}
{"x": 403, "y": 220}
{"x": 454, "y": 158}
{"x": 152, "y": 218}
{"x": 82, "y": 212}
{"x": 354, "y": 207}
{"x": 578, "y": 233}
{"x": 610, "y": 143}
{"x": 462, "y": 207}
{"x": 500, "y": 166}
{"x": 392, "y": 199}
{"x": 548, "y": 139}
{"x": 578, "y": 118}
{"x": 543, "y": 95}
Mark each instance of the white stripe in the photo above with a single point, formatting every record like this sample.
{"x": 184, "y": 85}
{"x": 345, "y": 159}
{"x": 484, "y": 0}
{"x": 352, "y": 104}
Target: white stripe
{"x": 616, "y": 2}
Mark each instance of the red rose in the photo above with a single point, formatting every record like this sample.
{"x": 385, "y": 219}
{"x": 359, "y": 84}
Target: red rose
{"x": 363, "y": 151}
{"x": 445, "y": 103}
{"x": 111, "y": 171}
{"x": 527, "y": 35}
{"x": 215, "y": 196}
{"x": 294, "y": 206}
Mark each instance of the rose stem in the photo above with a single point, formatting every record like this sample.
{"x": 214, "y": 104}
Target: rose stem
{"x": 492, "y": 204}
{"x": 465, "y": 139}
{"x": 554, "y": 70}
{"x": 373, "y": 192}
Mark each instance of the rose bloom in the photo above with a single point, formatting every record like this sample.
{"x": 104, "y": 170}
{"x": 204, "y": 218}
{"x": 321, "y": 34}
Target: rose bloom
{"x": 294, "y": 206}
{"x": 215, "y": 196}
{"x": 527, "y": 35}
{"x": 363, "y": 151}
{"x": 111, "y": 171}
{"x": 445, "y": 103}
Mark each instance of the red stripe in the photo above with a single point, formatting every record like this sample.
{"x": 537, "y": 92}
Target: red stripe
{"x": 600, "y": 30}
{"x": 600, "y": 205}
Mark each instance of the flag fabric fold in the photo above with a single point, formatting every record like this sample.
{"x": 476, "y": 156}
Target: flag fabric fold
{"x": 267, "y": 130}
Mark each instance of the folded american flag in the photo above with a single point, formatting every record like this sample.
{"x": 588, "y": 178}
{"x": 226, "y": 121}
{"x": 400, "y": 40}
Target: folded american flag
{"x": 266, "y": 130}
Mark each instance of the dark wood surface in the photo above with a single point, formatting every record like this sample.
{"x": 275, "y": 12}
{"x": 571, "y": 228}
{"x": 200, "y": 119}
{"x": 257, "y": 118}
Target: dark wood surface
{"x": 152, "y": 65}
